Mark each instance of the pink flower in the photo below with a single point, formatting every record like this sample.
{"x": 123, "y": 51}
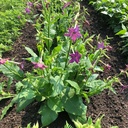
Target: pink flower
{"x": 22, "y": 65}
{"x": 73, "y": 33}
{"x": 107, "y": 67}
{"x": 27, "y": 10}
{"x": 66, "y": 5}
{"x": 124, "y": 87}
{"x": 101, "y": 45}
{"x": 108, "y": 48}
{"x": 30, "y": 4}
{"x": 3, "y": 61}
{"x": 75, "y": 57}
{"x": 39, "y": 65}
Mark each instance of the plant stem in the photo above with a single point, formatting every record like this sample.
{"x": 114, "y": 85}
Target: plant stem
{"x": 67, "y": 55}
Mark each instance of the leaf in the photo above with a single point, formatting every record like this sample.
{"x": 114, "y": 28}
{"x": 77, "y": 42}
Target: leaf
{"x": 74, "y": 85}
{"x": 67, "y": 125}
{"x": 30, "y": 51}
{"x": 56, "y": 50}
{"x": 55, "y": 104}
{"x": 98, "y": 122}
{"x": 57, "y": 85}
{"x": 92, "y": 77}
{"x": 82, "y": 119}
{"x": 47, "y": 115}
{"x": 95, "y": 87}
{"x": 27, "y": 94}
{"x": 75, "y": 106}
{"x": 36, "y": 125}
{"x": 12, "y": 70}
{"x": 98, "y": 68}
{"x": 125, "y": 35}
{"x": 121, "y": 32}
{"x": 88, "y": 63}
{"x": 23, "y": 104}
{"x": 4, "y": 111}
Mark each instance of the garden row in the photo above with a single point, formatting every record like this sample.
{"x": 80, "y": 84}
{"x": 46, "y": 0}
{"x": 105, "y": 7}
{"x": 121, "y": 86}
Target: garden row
{"x": 66, "y": 65}
{"x": 116, "y": 12}
{"x": 13, "y": 15}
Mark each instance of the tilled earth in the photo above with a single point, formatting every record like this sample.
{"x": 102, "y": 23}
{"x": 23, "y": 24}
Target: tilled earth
{"x": 113, "y": 106}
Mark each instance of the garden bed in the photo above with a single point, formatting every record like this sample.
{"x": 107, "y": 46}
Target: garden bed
{"x": 113, "y": 106}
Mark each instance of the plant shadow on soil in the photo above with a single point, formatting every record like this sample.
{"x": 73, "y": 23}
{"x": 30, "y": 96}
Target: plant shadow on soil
{"x": 113, "y": 106}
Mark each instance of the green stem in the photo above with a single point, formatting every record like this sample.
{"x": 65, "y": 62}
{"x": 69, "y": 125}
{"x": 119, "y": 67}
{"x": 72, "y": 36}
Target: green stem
{"x": 67, "y": 55}
{"x": 49, "y": 31}
{"x": 12, "y": 71}
{"x": 97, "y": 60}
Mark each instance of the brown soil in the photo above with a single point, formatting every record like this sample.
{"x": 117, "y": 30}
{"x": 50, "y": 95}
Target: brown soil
{"x": 113, "y": 106}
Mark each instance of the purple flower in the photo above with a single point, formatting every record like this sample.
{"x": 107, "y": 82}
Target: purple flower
{"x": 27, "y": 10}
{"x": 3, "y": 61}
{"x": 124, "y": 87}
{"x": 66, "y": 5}
{"x": 108, "y": 48}
{"x": 107, "y": 67}
{"x": 30, "y": 4}
{"x": 101, "y": 45}
{"x": 75, "y": 57}
{"x": 73, "y": 33}
{"x": 39, "y": 65}
{"x": 22, "y": 65}
{"x": 126, "y": 66}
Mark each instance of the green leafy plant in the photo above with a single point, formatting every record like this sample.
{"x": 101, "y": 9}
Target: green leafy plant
{"x": 117, "y": 10}
{"x": 88, "y": 124}
{"x": 12, "y": 18}
{"x": 64, "y": 71}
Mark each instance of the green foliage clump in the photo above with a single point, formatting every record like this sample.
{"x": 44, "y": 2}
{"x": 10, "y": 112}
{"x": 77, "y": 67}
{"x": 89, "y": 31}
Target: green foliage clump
{"x": 117, "y": 10}
{"x": 12, "y": 19}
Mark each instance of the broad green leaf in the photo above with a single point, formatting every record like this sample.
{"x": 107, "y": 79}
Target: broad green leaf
{"x": 55, "y": 104}
{"x": 74, "y": 85}
{"x": 88, "y": 63}
{"x": 27, "y": 94}
{"x": 56, "y": 50}
{"x": 23, "y": 104}
{"x": 92, "y": 77}
{"x": 96, "y": 86}
{"x": 47, "y": 115}
{"x": 12, "y": 70}
{"x": 98, "y": 68}
{"x": 57, "y": 85}
{"x": 30, "y": 51}
{"x": 75, "y": 106}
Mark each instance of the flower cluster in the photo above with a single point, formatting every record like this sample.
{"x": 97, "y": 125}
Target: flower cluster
{"x": 73, "y": 33}
{"x": 28, "y": 8}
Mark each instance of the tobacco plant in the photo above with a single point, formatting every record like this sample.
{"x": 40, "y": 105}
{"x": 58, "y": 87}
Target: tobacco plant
{"x": 64, "y": 72}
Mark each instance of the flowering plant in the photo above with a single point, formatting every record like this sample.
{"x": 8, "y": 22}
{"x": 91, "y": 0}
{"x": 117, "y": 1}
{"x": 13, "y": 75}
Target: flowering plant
{"x": 64, "y": 71}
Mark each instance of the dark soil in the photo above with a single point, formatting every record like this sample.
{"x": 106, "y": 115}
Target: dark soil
{"x": 113, "y": 106}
